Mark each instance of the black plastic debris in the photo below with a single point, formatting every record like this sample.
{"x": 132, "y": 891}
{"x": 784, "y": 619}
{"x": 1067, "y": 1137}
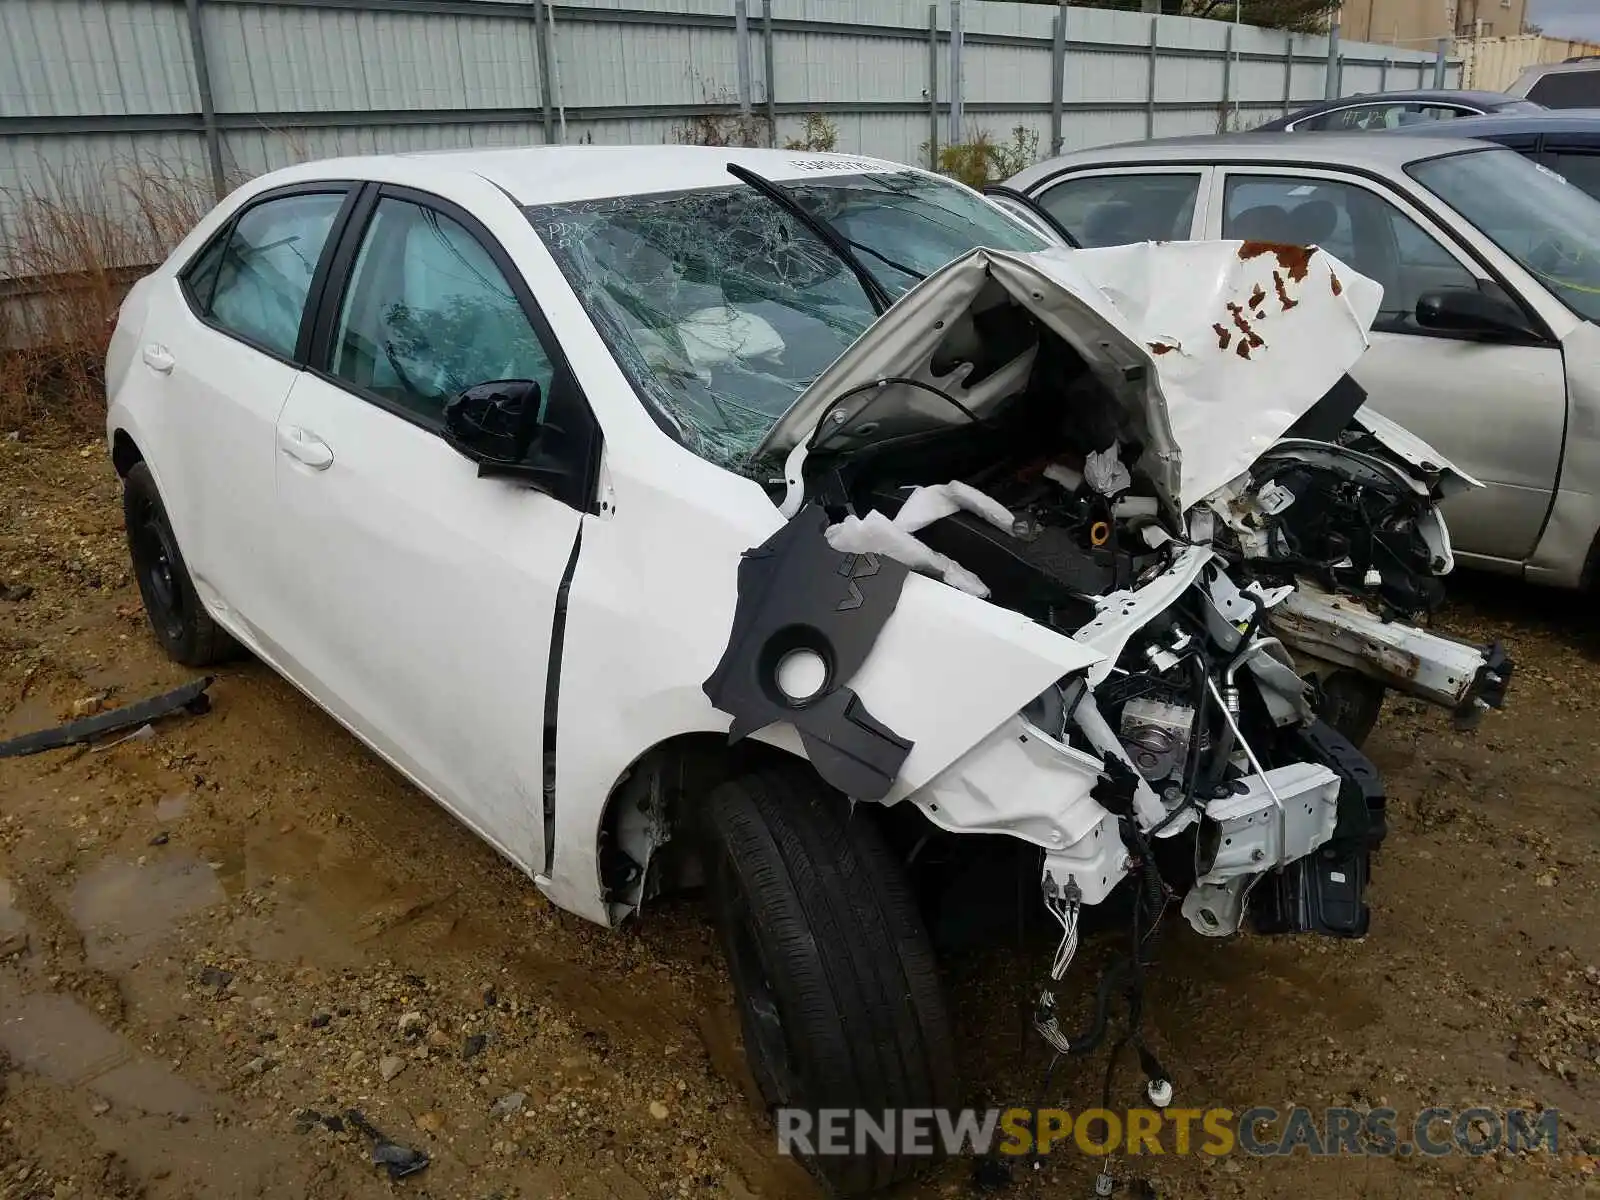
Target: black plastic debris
{"x": 991, "y": 1174}
{"x": 191, "y": 698}
{"x": 398, "y": 1160}
{"x": 15, "y": 593}
{"x": 215, "y": 978}
{"x": 473, "y": 1046}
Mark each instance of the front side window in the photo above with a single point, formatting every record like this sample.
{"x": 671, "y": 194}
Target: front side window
{"x": 255, "y": 284}
{"x": 1550, "y": 227}
{"x": 1357, "y": 226}
{"x": 428, "y": 314}
{"x": 721, "y": 308}
{"x": 1118, "y": 210}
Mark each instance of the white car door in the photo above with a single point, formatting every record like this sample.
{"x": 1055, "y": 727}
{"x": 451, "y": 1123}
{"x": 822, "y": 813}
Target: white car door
{"x": 220, "y": 347}
{"x": 425, "y": 595}
{"x": 1496, "y": 408}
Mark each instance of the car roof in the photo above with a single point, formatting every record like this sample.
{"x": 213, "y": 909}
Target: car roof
{"x": 534, "y": 175}
{"x": 1571, "y": 66}
{"x": 1487, "y": 100}
{"x": 1551, "y": 120}
{"x": 1366, "y": 150}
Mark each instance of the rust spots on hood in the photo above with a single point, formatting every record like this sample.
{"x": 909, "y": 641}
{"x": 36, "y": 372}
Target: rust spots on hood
{"x": 1224, "y": 335}
{"x": 1249, "y": 339}
{"x": 1256, "y": 297}
{"x": 1161, "y": 348}
{"x": 1338, "y": 288}
{"x": 1296, "y": 260}
{"x": 1283, "y": 291}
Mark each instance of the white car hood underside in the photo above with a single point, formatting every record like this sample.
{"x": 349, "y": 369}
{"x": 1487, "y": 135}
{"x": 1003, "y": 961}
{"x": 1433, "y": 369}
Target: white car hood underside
{"x": 1161, "y": 324}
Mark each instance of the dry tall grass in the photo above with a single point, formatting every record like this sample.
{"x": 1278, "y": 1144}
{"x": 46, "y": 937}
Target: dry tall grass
{"x": 73, "y": 243}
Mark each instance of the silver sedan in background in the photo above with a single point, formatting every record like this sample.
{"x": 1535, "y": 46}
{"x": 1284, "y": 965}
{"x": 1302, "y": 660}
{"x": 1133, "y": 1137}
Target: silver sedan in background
{"x": 1485, "y": 346}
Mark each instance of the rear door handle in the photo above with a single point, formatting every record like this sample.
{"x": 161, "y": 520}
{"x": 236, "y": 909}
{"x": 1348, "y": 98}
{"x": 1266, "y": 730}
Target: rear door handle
{"x": 158, "y": 358}
{"x": 305, "y": 447}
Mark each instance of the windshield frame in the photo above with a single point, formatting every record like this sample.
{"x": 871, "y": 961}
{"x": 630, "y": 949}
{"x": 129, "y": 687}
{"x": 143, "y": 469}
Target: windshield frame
{"x": 1465, "y": 225}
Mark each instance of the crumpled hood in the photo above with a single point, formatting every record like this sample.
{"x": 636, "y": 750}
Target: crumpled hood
{"x": 1211, "y": 349}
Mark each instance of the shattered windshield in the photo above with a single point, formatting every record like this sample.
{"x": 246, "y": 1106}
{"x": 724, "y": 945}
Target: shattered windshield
{"x": 721, "y": 307}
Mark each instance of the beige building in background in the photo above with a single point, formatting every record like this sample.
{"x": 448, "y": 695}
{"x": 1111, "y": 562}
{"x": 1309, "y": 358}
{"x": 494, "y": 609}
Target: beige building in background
{"x": 1414, "y": 23}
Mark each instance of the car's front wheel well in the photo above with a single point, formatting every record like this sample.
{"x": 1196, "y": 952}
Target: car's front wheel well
{"x": 125, "y": 453}
{"x": 649, "y": 831}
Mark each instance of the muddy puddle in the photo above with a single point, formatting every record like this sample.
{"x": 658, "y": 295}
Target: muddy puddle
{"x": 124, "y": 910}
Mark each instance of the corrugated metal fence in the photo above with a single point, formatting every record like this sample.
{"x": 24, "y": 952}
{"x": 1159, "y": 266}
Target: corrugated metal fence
{"x": 222, "y": 89}
{"x": 1493, "y": 64}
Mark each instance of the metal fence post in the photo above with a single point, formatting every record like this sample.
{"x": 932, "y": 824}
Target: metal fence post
{"x": 1383, "y": 75}
{"x": 767, "y": 60}
{"x": 1330, "y": 83}
{"x": 933, "y": 87}
{"x": 1288, "y": 72}
{"x": 741, "y": 34}
{"x": 208, "y": 108}
{"x": 957, "y": 84}
{"x": 1058, "y": 74}
{"x": 1150, "y": 81}
{"x": 1439, "y": 52}
{"x": 1227, "y": 80}
{"x": 541, "y": 34}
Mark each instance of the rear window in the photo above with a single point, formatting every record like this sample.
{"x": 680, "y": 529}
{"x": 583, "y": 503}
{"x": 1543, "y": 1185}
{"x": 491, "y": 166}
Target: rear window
{"x": 1567, "y": 89}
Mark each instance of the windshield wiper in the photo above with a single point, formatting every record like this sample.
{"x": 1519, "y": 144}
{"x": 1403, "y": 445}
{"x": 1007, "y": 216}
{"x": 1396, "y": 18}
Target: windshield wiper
{"x": 877, "y": 295}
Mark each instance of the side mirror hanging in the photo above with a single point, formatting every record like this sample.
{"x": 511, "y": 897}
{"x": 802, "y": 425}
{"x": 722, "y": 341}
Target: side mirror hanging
{"x": 494, "y": 422}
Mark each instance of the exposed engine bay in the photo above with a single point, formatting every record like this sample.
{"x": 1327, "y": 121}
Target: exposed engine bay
{"x": 1011, "y": 444}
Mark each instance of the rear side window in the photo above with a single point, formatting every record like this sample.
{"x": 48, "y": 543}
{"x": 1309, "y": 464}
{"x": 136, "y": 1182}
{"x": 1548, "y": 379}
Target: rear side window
{"x": 254, "y": 282}
{"x": 1117, "y": 210}
{"x": 1365, "y": 116}
{"x": 1567, "y": 89}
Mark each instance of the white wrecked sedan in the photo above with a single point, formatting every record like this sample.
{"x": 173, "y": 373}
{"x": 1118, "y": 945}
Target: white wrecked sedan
{"x": 588, "y": 488}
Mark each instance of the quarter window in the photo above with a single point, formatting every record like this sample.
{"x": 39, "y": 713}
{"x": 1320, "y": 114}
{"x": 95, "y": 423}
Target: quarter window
{"x": 1357, "y": 226}
{"x": 254, "y": 284}
{"x": 1116, "y": 210}
{"x": 428, "y": 314}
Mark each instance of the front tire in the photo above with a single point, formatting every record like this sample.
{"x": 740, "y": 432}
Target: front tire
{"x": 178, "y": 618}
{"x": 837, "y": 989}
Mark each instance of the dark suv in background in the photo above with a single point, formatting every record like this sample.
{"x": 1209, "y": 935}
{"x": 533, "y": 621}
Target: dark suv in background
{"x": 1571, "y": 84}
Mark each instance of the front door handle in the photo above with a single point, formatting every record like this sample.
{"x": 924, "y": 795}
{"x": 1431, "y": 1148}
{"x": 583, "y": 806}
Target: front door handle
{"x": 305, "y": 447}
{"x": 158, "y": 358}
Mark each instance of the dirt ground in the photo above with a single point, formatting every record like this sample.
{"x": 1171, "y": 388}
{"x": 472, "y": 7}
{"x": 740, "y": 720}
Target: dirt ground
{"x": 219, "y": 939}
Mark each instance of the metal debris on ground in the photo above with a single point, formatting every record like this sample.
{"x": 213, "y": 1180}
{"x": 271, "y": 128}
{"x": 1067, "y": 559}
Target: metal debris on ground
{"x": 191, "y": 697}
{"x": 398, "y": 1160}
